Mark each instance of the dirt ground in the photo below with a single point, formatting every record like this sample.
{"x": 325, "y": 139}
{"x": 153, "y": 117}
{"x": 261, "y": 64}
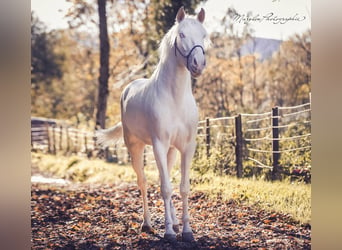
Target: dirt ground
{"x": 83, "y": 216}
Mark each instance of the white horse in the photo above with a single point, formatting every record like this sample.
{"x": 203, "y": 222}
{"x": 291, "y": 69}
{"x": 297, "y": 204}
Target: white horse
{"x": 161, "y": 111}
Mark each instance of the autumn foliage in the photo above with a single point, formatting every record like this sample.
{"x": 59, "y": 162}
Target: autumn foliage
{"x": 232, "y": 83}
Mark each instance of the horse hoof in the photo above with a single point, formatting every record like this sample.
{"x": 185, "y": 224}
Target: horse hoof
{"x": 170, "y": 237}
{"x": 188, "y": 237}
{"x": 146, "y": 229}
{"x": 175, "y": 228}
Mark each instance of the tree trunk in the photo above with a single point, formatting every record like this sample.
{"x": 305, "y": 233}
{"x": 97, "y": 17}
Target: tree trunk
{"x": 104, "y": 66}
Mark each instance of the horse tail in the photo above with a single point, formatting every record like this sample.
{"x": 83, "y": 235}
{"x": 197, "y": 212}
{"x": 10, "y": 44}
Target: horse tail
{"x": 106, "y": 137}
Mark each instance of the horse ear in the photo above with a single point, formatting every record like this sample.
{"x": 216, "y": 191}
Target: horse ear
{"x": 201, "y": 15}
{"x": 180, "y": 14}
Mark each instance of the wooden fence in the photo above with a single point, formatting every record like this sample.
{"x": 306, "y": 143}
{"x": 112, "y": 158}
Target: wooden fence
{"x": 57, "y": 138}
{"x": 246, "y": 140}
{"x": 51, "y": 137}
{"x": 262, "y": 140}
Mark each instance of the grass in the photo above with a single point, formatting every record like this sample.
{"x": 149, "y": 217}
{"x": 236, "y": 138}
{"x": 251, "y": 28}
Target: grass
{"x": 81, "y": 170}
{"x": 284, "y": 197}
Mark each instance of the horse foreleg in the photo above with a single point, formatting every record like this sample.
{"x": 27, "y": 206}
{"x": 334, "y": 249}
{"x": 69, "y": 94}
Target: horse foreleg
{"x": 160, "y": 154}
{"x": 171, "y": 160}
{"x": 186, "y": 158}
{"x": 136, "y": 152}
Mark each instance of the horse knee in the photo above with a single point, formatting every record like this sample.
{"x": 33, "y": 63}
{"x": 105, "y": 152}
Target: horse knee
{"x": 184, "y": 190}
{"x": 141, "y": 180}
{"x": 166, "y": 191}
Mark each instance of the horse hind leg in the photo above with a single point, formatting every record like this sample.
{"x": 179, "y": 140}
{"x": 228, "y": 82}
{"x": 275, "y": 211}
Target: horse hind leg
{"x": 136, "y": 150}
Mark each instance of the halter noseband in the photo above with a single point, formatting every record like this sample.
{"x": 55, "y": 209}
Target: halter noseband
{"x": 188, "y": 55}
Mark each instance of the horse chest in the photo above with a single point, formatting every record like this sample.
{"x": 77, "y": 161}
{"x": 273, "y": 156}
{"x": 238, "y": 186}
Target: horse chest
{"x": 183, "y": 127}
{"x": 181, "y": 133}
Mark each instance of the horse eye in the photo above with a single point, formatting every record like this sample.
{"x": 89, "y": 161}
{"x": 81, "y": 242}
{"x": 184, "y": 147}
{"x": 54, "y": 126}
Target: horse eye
{"x": 181, "y": 35}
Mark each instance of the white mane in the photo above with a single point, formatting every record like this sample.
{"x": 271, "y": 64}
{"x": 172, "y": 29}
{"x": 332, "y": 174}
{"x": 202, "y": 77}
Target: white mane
{"x": 168, "y": 42}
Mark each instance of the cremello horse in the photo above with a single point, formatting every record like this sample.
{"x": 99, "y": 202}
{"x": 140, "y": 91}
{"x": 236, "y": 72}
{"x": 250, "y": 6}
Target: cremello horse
{"x": 161, "y": 111}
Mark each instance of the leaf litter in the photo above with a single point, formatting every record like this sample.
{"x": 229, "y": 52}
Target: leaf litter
{"x": 94, "y": 216}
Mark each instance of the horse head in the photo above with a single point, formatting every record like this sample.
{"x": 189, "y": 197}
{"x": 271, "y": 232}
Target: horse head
{"x": 189, "y": 42}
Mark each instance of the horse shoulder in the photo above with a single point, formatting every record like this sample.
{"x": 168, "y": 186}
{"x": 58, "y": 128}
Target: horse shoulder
{"x": 133, "y": 88}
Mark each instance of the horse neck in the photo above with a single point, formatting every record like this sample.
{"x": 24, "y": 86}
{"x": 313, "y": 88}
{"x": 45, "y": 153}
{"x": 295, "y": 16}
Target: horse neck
{"x": 173, "y": 76}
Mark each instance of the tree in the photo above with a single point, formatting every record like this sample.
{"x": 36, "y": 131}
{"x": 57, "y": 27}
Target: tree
{"x": 104, "y": 65}
{"x": 71, "y": 97}
{"x": 80, "y": 13}
{"x": 46, "y": 67}
{"x": 289, "y": 72}
{"x": 45, "y": 62}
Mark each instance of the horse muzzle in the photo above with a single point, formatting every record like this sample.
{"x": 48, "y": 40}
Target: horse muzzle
{"x": 197, "y": 65}
{"x": 195, "y": 59}
{"x": 195, "y": 73}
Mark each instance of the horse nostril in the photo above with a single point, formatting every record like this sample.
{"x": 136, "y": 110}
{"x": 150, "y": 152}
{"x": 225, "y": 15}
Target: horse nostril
{"x": 204, "y": 62}
{"x": 195, "y": 62}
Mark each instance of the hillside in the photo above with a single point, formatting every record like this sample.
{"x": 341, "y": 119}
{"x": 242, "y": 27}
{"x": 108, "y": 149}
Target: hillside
{"x": 265, "y": 47}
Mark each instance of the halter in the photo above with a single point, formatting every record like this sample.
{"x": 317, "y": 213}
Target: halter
{"x": 188, "y": 55}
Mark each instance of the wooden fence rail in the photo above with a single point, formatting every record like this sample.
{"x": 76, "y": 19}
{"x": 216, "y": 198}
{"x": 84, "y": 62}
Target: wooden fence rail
{"x": 256, "y": 138}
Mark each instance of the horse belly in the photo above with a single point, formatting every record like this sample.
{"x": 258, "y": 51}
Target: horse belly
{"x": 135, "y": 124}
{"x": 133, "y": 115}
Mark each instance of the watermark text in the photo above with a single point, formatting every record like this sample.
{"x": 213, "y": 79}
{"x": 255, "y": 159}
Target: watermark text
{"x": 269, "y": 17}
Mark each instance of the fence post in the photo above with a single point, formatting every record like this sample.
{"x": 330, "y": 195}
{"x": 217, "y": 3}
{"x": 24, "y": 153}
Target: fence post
{"x": 46, "y": 125}
{"x": 238, "y": 146}
{"x": 31, "y": 137}
{"x": 60, "y": 138}
{"x": 85, "y": 142}
{"x": 128, "y": 156}
{"x": 207, "y": 136}
{"x": 54, "y": 139}
{"x": 276, "y": 172}
{"x": 94, "y": 142}
{"x": 67, "y": 139}
{"x": 75, "y": 132}
{"x": 144, "y": 154}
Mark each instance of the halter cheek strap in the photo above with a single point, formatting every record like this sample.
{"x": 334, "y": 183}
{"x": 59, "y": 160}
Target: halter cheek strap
{"x": 188, "y": 55}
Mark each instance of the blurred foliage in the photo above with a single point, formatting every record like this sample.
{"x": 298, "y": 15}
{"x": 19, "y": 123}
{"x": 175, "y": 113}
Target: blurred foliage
{"x": 69, "y": 66}
{"x": 65, "y": 71}
{"x": 46, "y": 64}
{"x": 233, "y": 83}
